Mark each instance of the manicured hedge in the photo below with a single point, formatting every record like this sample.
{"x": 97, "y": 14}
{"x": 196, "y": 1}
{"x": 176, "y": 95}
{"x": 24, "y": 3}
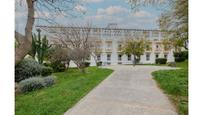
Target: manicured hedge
{"x": 181, "y": 56}
{"x": 161, "y": 61}
{"x": 99, "y": 63}
{"x": 87, "y": 64}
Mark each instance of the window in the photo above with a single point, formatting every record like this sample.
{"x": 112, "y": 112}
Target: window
{"x": 99, "y": 57}
{"x": 157, "y": 55}
{"x": 109, "y": 45}
{"x": 129, "y": 57}
{"x": 165, "y": 56}
{"x": 108, "y": 56}
{"x": 147, "y": 57}
{"x": 157, "y": 46}
{"x": 88, "y": 57}
{"x": 155, "y": 34}
{"x": 119, "y": 57}
{"x": 119, "y": 46}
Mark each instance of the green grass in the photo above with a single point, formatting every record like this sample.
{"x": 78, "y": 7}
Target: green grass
{"x": 70, "y": 87}
{"x": 175, "y": 84}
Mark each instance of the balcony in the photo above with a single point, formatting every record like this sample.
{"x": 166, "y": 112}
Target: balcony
{"x": 108, "y": 49}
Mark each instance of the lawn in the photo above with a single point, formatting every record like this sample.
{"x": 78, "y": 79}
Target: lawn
{"x": 175, "y": 84}
{"x": 70, "y": 87}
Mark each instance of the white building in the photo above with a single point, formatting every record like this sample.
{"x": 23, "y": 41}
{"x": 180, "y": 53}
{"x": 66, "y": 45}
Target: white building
{"x": 110, "y": 41}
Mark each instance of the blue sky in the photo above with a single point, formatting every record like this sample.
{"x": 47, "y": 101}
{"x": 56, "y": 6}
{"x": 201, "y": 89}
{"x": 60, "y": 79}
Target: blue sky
{"x": 100, "y": 13}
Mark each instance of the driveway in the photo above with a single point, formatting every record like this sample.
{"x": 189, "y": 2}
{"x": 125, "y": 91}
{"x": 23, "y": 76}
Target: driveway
{"x": 127, "y": 91}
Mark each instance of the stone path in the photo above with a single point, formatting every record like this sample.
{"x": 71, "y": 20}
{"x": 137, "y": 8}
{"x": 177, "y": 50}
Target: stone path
{"x": 127, "y": 91}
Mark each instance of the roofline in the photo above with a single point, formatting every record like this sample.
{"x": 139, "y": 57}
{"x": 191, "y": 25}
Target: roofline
{"x": 44, "y": 26}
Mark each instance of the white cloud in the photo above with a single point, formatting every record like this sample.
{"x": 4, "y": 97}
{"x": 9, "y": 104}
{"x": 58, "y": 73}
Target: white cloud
{"x": 93, "y": 1}
{"x": 81, "y": 8}
{"x": 141, "y": 14}
{"x": 42, "y": 14}
{"x": 112, "y": 10}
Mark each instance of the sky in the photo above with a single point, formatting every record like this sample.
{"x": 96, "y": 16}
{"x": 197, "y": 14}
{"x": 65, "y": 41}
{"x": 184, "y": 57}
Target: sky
{"x": 99, "y": 13}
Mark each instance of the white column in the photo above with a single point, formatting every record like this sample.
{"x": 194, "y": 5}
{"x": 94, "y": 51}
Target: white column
{"x": 150, "y": 35}
{"x": 103, "y": 54}
{"x": 114, "y": 55}
{"x": 170, "y": 57}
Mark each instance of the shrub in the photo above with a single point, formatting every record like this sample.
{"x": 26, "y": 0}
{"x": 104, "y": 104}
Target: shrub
{"x": 31, "y": 84}
{"x": 50, "y": 80}
{"x": 86, "y": 64}
{"x": 185, "y": 54}
{"x": 46, "y": 71}
{"x": 161, "y": 61}
{"x": 181, "y": 56}
{"x": 179, "y": 59}
{"x": 99, "y": 63}
{"x": 58, "y": 66}
{"x": 35, "y": 83}
{"x": 47, "y": 64}
{"x": 172, "y": 64}
{"x": 27, "y": 68}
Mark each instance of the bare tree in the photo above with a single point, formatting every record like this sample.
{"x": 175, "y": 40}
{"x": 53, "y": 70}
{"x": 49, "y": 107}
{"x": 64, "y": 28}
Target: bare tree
{"x": 95, "y": 50}
{"x": 136, "y": 4}
{"x": 76, "y": 38}
{"x": 55, "y": 7}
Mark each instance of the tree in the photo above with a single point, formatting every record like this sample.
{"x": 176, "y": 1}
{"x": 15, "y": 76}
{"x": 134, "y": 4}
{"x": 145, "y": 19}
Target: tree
{"x": 136, "y": 47}
{"x": 55, "y": 7}
{"x": 76, "y": 38}
{"x": 58, "y": 56}
{"x": 175, "y": 20}
{"x": 95, "y": 50}
{"x": 136, "y": 4}
{"x": 167, "y": 44}
{"x": 177, "y": 44}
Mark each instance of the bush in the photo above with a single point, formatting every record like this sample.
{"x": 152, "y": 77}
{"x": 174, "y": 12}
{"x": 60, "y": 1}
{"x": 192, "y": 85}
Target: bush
{"x": 46, "y": 71}
{"x": 50, "y": 80}
{"x": 58, "y": 66}
{"x": 161, "y": 61}
{"x": 99, "y": 63}
{"x": 31, "y": 84}
{"x": 185, "y": 54}
{"x": 179, "y": 59}
{"x": 86, "y": 64}
{"x": 35, "y": 83}
{"x": 47, "y": 64}
{"x": 27, "y": 68}
{"x": 172, "y": 64}
{"x": 181, "y": 56}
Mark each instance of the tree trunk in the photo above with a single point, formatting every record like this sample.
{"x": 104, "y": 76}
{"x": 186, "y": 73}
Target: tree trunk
{"x": 25, "y": 41}
{"x": 134, "y": 62}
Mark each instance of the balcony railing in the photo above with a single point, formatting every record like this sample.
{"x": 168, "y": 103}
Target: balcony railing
{"x": 108, "y": 49}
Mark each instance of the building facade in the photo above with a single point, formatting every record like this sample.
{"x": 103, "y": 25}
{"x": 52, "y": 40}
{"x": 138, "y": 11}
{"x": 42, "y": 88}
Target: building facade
{"x": 110, "y": 41}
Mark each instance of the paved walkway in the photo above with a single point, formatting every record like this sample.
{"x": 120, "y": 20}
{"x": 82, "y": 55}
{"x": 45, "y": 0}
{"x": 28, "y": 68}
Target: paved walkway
{"x": 128, "y": 91}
